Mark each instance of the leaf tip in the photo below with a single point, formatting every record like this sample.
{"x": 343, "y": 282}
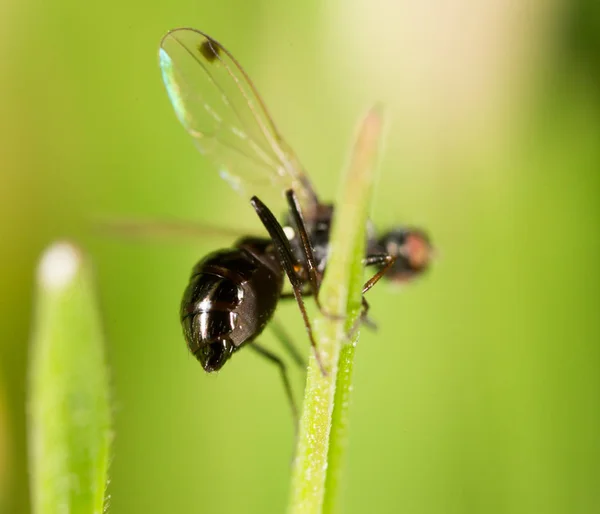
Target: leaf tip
{"x": 58, "y": 265}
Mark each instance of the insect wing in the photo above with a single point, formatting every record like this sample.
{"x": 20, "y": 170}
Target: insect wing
{"x": 158, "y": 230}
{"x": 219, "y": 107}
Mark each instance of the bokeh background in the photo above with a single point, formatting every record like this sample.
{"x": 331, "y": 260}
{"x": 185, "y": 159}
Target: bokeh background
{"x": 479, "y": 393}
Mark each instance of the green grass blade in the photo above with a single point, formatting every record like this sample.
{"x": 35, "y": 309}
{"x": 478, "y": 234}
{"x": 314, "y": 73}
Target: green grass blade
{"x": 69, "y": 412}
{"x": 323, "y": 436}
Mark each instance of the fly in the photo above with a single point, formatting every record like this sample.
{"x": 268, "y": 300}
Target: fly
{"x": 233, "y": 293}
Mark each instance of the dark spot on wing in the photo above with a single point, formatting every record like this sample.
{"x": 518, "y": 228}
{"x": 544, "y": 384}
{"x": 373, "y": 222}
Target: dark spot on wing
{"x": 210, "y": 49}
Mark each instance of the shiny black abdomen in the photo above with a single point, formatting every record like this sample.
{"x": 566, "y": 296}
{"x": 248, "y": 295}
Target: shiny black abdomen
{"x": 231, "y": 296}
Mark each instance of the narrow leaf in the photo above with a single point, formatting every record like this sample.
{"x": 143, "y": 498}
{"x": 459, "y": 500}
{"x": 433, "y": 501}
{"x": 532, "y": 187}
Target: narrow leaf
{"x": 69, "y": 413}
{"x": 317, "y": 467}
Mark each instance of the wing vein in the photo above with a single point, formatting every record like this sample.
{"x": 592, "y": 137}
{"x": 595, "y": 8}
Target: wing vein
{"x": 229, "y": 104}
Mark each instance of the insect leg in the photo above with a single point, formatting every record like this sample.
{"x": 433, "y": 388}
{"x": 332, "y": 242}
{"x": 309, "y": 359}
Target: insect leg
{"x": 284, "y": 376}
{"x": 377, "y": 259}
{"x": 288, "y": 344}
{"x": 288, "y": 262}
{"x": 371, "y": 260}
{"x": 369, "y": 323}
{"x": 313, "y": 274}
{"x": 290, "y": 296}
{"x": 363, "y": 318}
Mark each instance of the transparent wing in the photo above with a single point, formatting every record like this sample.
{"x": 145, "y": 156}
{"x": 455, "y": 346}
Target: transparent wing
{"x": 152, "y": 230}
{"x": 220, "y": 108}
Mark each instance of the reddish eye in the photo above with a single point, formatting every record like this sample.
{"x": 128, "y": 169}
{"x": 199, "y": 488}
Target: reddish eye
{"x": 418, "y": 251}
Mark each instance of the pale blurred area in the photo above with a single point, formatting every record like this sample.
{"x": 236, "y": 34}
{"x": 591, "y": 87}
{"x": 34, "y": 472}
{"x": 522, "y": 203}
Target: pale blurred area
{"x": 452, "y": 73}
{"x": 479, "y": 393}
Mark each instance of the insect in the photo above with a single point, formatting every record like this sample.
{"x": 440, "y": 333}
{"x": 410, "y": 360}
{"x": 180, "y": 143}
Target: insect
{"x": 233, "y": 293}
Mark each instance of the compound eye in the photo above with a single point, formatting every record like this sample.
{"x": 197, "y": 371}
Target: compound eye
{"x": 418, "y": 251}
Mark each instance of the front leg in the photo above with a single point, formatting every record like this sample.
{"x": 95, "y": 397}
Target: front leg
{"x": 289, "y": 264}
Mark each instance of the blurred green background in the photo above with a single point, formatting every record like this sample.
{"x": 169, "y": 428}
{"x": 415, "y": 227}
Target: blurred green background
{"x": 480, "y": 392}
